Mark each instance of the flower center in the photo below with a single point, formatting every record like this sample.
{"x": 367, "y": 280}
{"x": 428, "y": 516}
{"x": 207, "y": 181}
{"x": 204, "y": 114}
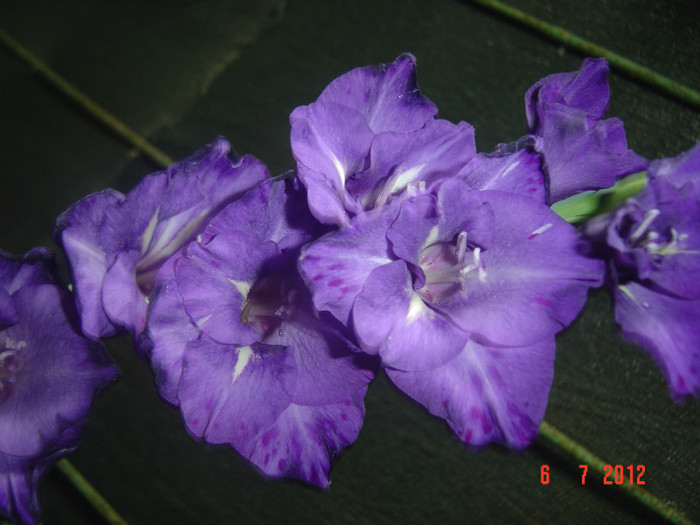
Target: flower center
{"x": 270, "y": 302}
{"x": 448, "y": 267}
{"x": 652, "y": 241}
{"x": 9, "y": 365}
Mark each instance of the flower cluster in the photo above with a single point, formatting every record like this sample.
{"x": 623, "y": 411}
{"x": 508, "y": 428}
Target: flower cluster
{"x": 266, "y": 305}
{"x": 652, "y": 244}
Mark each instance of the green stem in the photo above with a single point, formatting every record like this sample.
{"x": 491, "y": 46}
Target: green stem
{"x": 86, "y": 103}
{"x": 583, "y": 206}
{"x": 586, "y": 457}
{"x": 625, "y": 65}
{"x": 89, "y": 493}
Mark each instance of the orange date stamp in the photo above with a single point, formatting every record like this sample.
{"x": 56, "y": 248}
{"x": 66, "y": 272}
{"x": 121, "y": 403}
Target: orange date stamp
{"x": 612, "y": 474}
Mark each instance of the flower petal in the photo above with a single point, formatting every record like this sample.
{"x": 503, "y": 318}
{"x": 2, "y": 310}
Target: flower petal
{"x": 229, "y": 394}
{"x": 58, "y": 376}
{"x": 214, "y": 282}
{"x": 535, "y": 277}
{"x": 397, "y": 160}
{"x": 387, "y": 95}
{"x": 487, "y": 393}
{"x": 516, "y": 172}
{"x": 666, "y": 328}
{"x": 391, "y": 319}
{"x": 78, "y": 231}
{"x": 336, "y": 266}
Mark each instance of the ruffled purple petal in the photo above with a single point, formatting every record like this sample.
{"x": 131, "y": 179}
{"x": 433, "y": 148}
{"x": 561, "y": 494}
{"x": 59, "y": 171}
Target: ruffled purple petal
{"x": 121, "y": 241}
{"x": 57, "y": 372}
{"x": 122, "y": 301}
{"x": 327, "y": 406}
{"x": 391, "y": 319}
{"x": 275, "y": 211}
{"x": 517, "y": 172}
{"x": 330, "y": 143}
{"x": 37, "y": 266}
{"x": 581, "y": 151}
{"x": 679, "y": 170}
{"x": 667, "y": 328}
{"x": 331, "y": 138}
{"x": 229, "y": 394}
{"x": 214, "y": 282}
{"x": 328, "y": 372}
{"x": 78, "y": 229}
{"x": 585, "y": 90}
{"x": 397, "y": 160}
{"x": 336, "y": 266}
{"x": 487, "y": 393}
{"x": 534, "y": 279}
{"x": 168, "y": 331}
{"x": 386, "y": 95}
{"x": 303, "y": 439}
{"x": 18, "y": 496}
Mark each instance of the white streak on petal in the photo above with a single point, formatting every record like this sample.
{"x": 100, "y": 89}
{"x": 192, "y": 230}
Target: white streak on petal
{"x": 432, "y": 237}
{"x": 416, "y": 309}
{"x": 242, "y": 287}
{"x": 541, "y": 229}
{"x": 244, "y": 355}
{"x": 203, "y": 320}
{"x": 338, "y": 167}
{"x": 148, "y": 233}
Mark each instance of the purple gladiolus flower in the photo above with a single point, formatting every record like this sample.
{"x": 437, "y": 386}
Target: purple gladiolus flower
{"x": 581, "y": 151}
{"x": 236, "y": 345}
{"x": 652, "y": 242}
{"x": 460, "y": 292}
{"x": 49, "y": 375}
{"x": 116, "y": 243}
{"x": 369, "y": 136}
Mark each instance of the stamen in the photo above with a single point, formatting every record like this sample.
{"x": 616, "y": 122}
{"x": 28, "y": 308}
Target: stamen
{"x": 646, "y": 221}
{"x": 461, "y": 247}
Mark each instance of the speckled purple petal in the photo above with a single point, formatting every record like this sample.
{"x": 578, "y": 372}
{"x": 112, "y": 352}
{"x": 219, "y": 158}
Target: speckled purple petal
{"x": 78, "y": 231}
{"x": 336, "y": 266}
{"x": 303, "y": 439}
{"x": 229, "y": 394}
{"x": 392, "y": 320}
{"x": 667, "y": 328}
{"x": 57, "y": 376}
{"x": 487, "y": 393}
{"x": 535, "y": 277}
{"x": 328, "y": 371}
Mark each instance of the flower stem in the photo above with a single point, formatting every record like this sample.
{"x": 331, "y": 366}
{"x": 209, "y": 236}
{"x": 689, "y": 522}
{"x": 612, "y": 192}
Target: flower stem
{"x": 586, "y": 457}
{"x": 581, "y": 207}
{"x": 80, "y": 99}
{"x": 630, "y": 68}
{"x": 88, "y": 492}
